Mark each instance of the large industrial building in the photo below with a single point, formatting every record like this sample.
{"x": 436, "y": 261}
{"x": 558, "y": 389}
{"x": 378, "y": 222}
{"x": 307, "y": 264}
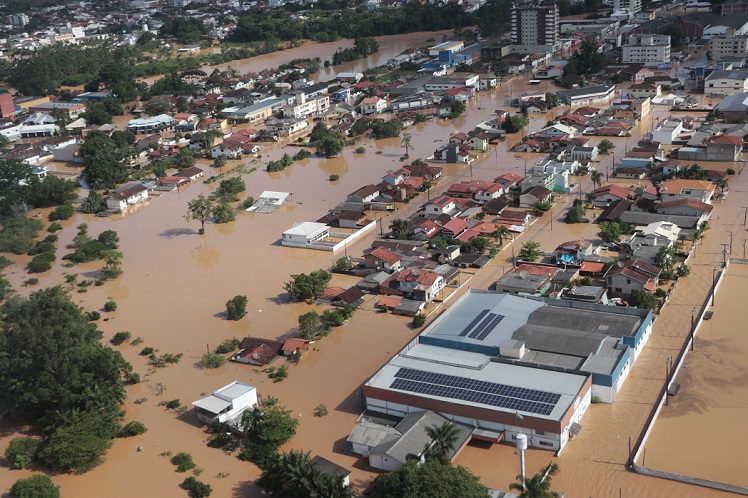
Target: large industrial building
{"x": 508, "y": 364}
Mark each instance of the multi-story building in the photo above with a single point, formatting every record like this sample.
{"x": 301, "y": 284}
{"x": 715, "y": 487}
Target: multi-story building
{"x": 632, "y": 6}
{"x": 18, "y": 20}
{"x": 725, "y": 46}
{"x": 180, "y": 4}
{"x": 534, "y": 24}
{"x": 649, "y": 50}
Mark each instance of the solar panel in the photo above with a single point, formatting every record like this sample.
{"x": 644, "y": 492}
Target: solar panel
{"x": 475, "y": 391}
{"x": 497, "y": 320}
{"x": 482, "y": 325}
{"x": 472, "y": 323}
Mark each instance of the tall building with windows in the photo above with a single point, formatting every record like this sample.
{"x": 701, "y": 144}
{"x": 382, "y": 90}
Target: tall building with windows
{"x": 534, "y": 24}
{"x": 649, "y": 50}
{"x": 632, "y": 6}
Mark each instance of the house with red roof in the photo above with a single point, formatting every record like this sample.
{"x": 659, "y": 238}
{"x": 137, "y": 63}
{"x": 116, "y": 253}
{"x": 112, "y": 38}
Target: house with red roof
{"x": 443, "y": 204}
{"x": 608, "y": 194}
{"x": 382, "y": 258}
{"x": 454, "y": 227}
{"x": 427, "y": 230}
{"x": 257, "y": 351}
{"x": 631, "y": 275}
{"x": 418, "y": 283}
{"x": 295, "y": 345}
{"x": 685, "y": 207}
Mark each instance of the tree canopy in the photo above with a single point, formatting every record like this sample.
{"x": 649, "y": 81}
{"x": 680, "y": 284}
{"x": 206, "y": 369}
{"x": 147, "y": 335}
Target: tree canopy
{"x": 292, "y": 474}
{"x": 587, "y": 60}
{"x": 432, "y": 479}
{"x": 307, "y": 286}
{"x": 103, "y": 156}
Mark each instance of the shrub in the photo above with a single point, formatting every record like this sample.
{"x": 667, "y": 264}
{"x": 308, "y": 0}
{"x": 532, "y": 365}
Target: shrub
{"x": 248, "y": 202}
{"x": 236, "y": 307}
{"x": 683, "y": 271}
{"x": 334, "y": 178}
{"x": 667, "y": 275}
{"x": 63, "y": 212}
{"x": 133, "y": 428}
{"x": 38, "y": 486}
{"x": 223, "y": 213}
{"x": 212, "y": 360}
{"x": 164, "y": 359}
{"x": 730, "y": 171}
{"x": 229, "y": 188}
{"x": 120, "y": 337}
{"x": 418, "y": 321}
{"x": 132, "y": 378}
{"x": 93, "y": 316}
{"x": 146, "y": 351}
{"x": 5, "y": 262}
{"x": 278, "y": 374}
{"x": 172, "y": 404}
{"x": 183, "y": 461}
{"x": 333, "y": 318}
{"x": 21, "y": 452}
{"x": 595, "y": 400}
{"x": 228, "y": 346}
{"x": 360, "y": 150}
{"x": 54, "y": 227}
{"x": 660, "y": 292}
{"x": 110, "y": 306}
{"x": 195, "y": 488}
{"x": 18, "y": 234}
{"x": 40, "y": 263}
{"x": 320, "y": 410}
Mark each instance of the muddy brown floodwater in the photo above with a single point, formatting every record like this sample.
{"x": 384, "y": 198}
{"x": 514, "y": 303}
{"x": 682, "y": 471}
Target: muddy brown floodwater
{"x": 702, "y": 432}
{"x": 176, "y": 283}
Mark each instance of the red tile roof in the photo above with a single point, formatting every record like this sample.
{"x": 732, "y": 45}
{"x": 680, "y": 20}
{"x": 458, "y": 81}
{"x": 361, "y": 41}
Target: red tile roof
{"x": 383, "y": 254}
{"x": 614, "y": 190}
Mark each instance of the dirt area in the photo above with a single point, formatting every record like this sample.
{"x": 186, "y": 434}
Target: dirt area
{"x": 702, "y": 431}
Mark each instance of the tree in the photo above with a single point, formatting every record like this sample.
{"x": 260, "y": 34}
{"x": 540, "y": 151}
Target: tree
{"x": 605, "y": 146}
{"x": 51, "y": 191}
{"x": 431, "y": 479}
{"x": 537, "y": 486}
{"x": 97, "y": 114}
{"x": 401, "y": 229}
{"x": 665, "y": 258}
{"x": 500, "y": 69}
{"x": 200, "y": 209}
{"x": 642, "y": 299}
{"x": 443, "y": 440}
{"x": 530, "y": 251}
{"x": 113, "y": 264}
{"x": 36, "y": 486}
{"x": 195, "y": 488}
{"x": 15, "y": 180}
{"x": 21, "y": 452}
{"x": 700, "y": 232}
{"x": 387, "y": 129}
{"x": 79, "y": 444}
{"x": 236, "y": 307}
{"x": 103, "y": 156}
{"x": 344, "y": 263}
{"x": 267, "y": 427}
{"x": 154, "y": 107}
{"x": 610, "y": 231}
{"x": 310, "y": 325}
{"x": 304, "y": 287}
{"x": 456, "y": 109}
{"x": 219, "y": 162}
{"x": 501, "y": 233}
{"x": 575, "y": 214}
{"x": 585, "y": 61}
{"x": 597, "y": 179}
{"x": 405, "y": 142}
{"x": 292, "y": 474}
{"x": 223, "y": 212}
{"x": 551, "y": 99}
{"x": 230, "y": 188}
{"x": 182, "y": 104}
{"x": 330, "y": 145}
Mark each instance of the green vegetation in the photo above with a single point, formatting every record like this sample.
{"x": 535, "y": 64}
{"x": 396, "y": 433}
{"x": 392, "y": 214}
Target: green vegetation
{"x": 585, "y": 61}
{"x": 278, "y": 374}
{"x": 54, "y": 227}
{"x": 328, "y": 143}
{"x": 36, "y": 486}
{"x": 292, "y": 474}
{"x": 230, "y": 189}
{"x": 360, "y": 150}
{"x": 320, "y": 410}
{"x": 131, "y": 429}
{"x": 18, "y": 234}
{"x": 266, "y": 428}
{"x": 530, "y": 251}
{"x": 401, "y": 229}
{"x": 40, "y": 263}
{"x": 236, "y": 307}
{"x": 456, "y": 109}
{"x": 311, "y": 326}
{"x": 329, "y": 25}
{"x": 183, "y": 29}
{"x": 418, "y": 321}
{"x": 21, "y": 451}
{"x": 212, "y": 360}
{"x": 443, "y": 440}
{"x": 200, "y": 209}
{"x": 195, "y": 488}
{"x": 228, "y": 346}
{"x": 120, "y": 337}
{"x": 605, "y": 146}
{"x": 612, "y": 231}
{"x": 306, "y": 287}
{"x": 183, "y": 461}
{"x": 516, "y": 123}
{"x": 344, "y": 263}
{"x": 103, "y": 156}
{"x": 86, "y": 249}
{"x": 333, "y": 178}
{"x": 386, "y": 129}
{"x": 146, "y": 351}
{"x": 642, "y": 299}
{"x": 576, "y": 214}
{"x": 362, "y": 47}
{"x": 538, "y": 485}
{"x": 110, "y": 306}
{"x": 431, "y": 479}
{"x": 164, "y": 360}
{"x": 93, "y": 204}
{"x": 223, "y": 213}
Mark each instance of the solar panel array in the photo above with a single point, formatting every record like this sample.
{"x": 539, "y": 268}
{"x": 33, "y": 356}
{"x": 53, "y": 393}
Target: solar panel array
{"x": 475, "y": 391}
{"x": 488, "y": 322}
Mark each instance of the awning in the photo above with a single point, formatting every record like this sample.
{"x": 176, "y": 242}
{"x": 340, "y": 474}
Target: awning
{"x": 212, "y": 404}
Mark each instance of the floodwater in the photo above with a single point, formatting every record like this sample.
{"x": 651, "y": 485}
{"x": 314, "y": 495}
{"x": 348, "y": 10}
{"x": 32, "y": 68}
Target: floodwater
{"x": 175, "y": 285}
{"x": 702, "y": 431}
{"x": 389, "y": 47}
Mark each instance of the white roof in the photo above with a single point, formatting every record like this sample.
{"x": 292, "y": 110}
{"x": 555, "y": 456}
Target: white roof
{"x": 232, "y": 391}
{"x": 278, "y": 197}
{"x": 306, "y": 228}
{"x": 212, "y": 404}
{"x": 151, "y": 120}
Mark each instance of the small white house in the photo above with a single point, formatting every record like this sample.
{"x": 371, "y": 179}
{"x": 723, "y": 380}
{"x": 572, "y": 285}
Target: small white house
{"x": 305, "y": 234}
{"x": 373, "y": 105}
{"x": 127, "y": 196}
{"x": 227, "y": 403}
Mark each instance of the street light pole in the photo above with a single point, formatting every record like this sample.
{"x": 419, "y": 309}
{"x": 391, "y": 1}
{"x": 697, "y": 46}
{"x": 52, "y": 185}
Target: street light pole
{"x": 693, "y": 320}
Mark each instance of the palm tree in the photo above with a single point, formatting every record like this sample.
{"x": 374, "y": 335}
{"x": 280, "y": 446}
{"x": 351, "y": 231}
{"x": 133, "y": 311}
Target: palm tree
{"x": 500, "y": 233}
{"x": 405, "y": 142}
{"x": 597, "y": 178}
{"x": 700, "y": 232}
{"x": 537, "y": 486}
{"x": 292, "y": 474}
{"x": 443, "y": 439}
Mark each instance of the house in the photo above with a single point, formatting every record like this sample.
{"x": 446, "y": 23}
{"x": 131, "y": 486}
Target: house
{"x": 478, "y": 142}
{"x": 495, "y": 207}
{"x": 351, "y": 218}
{"x": 631, "y": 275}
{"x": 327, "y": 467}
{"x": 667, "y": 131}
{"x": 645, "y": 244}
{"x": 726, "y": 82}
{"x": 426, "y": 230}
{"x": 387, "y": 448}
{"x": 587, "y": 95}
{"x": 441, "y": 205}
{"x": 396, "y": 177}
{"x": 373, "y": 105}
{"x": 171, "y": 182}
{"x": 678, "y": 188}
{"x": 640, "y": 90}
{"x": 365, "y": 194}
{"x": 605, "y": 196}
{"x": 256, "y": 351}
{"x": 579, "y": 153}
{"x": 381, "y": 258}
{"x": 230, "y": 149}
{"x": 574, "y": 251}
{"x": 685, "y": 207}
{"x": 724, "y": 148}
{"x": 226, "y": 404}
{"x": 419, "y": 284}
{"x": 522, "y": 282}
{"x": 556, "y": 130}
{"x": 351, "y": 297}
{"x": 151, "y": 124}
{"x": 535, "y": 195}
{"x": 192, "y": 173}
{"x": 305, "y": 234}
{"x": 454, "y": 227}
{"x": 129, "y": 195}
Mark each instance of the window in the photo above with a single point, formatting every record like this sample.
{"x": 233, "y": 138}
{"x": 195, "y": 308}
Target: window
{"x": 618, "y": 289}
{"x": 545, "y": 443}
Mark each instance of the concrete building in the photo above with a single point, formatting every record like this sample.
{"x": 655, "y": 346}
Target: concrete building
{"x": 587, "y": 95}
{"x": 18, "y": 20}
{"x": 677, "y": 188}
{"x": 305, "y": 234}
{"x": 7, "y": 106}
{"x": 508, "y": 365}
{"x": 631, "y": 6}
{"x": 728, "y": 46}
{"x": 649, "y": 50}
{"x": 129, "y": 195}
{"x": 227, "y": 403}
{"x": 734, "y": 108}
{"x": 151, "y": 124}
{"x": 667, "y": 131}
{"x": 535, "y": 24}
{"x": 728, "y": 82}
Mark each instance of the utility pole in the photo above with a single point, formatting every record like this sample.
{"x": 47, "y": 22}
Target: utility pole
{"x": 745, "y": 214}
{"x": 668, "y": 363}
{"x": 514, "y": 260}
{"x": 714, "y": 284}
{"x": 693, "y": 331}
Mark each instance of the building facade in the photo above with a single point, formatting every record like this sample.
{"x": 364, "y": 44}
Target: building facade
{"x": 727, "y": 46}
{"x": 534, "y": 24}
{"x": 649, "y": 50}
{"x": 632, "y": 6}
